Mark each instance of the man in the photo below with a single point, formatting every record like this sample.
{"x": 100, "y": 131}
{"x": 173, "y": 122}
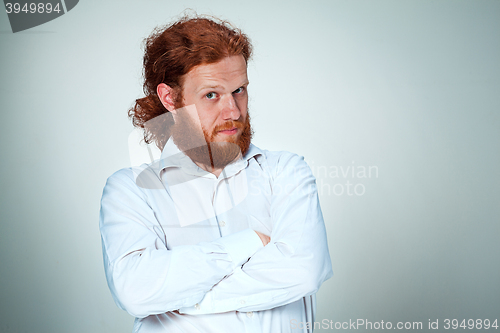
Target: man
{"x": 217, "y": 235}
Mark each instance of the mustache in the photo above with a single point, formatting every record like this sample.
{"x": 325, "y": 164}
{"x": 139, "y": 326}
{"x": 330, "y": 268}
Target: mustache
{"x": 230, "y": 124}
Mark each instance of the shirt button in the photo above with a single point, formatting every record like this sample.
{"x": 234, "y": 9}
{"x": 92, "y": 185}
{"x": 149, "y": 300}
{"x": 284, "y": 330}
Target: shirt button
{"x": 250, "y": 314}
{"x": 242, "y": 301}
{"x": 222, "y": 223}
{"x": 197, "y": 306}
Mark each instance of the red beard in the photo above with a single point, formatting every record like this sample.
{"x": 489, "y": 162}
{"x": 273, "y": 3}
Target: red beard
{"x": 198, "y": 145}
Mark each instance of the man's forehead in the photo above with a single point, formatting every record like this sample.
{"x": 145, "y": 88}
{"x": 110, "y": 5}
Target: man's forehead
{"x": 230, "y": 70}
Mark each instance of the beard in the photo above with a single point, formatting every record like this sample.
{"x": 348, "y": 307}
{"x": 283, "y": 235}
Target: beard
{"x": 200, "y": 147}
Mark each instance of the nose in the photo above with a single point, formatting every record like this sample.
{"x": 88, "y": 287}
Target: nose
{"x": 230, "y": 110}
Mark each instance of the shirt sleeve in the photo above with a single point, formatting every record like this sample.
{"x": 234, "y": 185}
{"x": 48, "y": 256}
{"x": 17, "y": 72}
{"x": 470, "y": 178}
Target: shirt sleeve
{"x": 296, "y": 261}
{"x": 145, "y": 277}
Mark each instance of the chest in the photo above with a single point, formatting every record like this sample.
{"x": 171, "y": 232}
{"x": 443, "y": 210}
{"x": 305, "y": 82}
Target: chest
{"x": 198, "y": 209}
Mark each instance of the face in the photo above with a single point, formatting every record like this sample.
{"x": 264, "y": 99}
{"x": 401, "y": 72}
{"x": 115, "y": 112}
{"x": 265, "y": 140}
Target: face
{"x": 219, "y": 92}
{"x": 215, "y": 103}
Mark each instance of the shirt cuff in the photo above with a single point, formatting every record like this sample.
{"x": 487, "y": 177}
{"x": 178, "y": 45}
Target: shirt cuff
{"x": 241, "y": 245}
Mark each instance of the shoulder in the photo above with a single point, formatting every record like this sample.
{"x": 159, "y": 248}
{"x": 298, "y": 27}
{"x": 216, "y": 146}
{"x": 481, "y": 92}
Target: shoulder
{"x": 131, "y": 179}
{"x": 282, "y": 158}
{"x": 123, "y": 177}
{"x": 119, "y": 183}
{"x": 281, "y": 161}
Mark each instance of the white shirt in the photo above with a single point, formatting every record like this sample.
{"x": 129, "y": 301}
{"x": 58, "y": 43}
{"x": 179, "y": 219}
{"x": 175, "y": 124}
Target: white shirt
{"x": 181, "y": 254}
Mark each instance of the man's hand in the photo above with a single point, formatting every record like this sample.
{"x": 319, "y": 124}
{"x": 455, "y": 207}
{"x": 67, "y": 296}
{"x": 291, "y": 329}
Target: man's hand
{"x": 265, "y": 239}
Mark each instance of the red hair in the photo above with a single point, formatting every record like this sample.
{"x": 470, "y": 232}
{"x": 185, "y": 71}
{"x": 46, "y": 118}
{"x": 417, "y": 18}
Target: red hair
{"x": 170, "y": 53}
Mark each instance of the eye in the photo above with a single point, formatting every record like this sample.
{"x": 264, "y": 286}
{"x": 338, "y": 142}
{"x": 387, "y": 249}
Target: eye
{"x": 239, "y": 90}
{"x": 211, "y": 95}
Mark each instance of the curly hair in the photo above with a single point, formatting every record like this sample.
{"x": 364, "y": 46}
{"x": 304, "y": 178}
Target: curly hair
{"x": 170, "y": 53}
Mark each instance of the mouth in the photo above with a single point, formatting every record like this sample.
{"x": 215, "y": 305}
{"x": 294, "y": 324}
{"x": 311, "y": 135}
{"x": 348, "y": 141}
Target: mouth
{"x": 230, "y": 131}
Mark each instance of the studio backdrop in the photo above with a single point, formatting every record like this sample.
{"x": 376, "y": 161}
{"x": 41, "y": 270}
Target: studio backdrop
{"x": 394, "y": 105}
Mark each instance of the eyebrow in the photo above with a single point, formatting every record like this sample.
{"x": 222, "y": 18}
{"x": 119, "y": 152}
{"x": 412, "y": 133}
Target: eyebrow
{"x": 208, "y": 87}
{"x": 219, "y": 86}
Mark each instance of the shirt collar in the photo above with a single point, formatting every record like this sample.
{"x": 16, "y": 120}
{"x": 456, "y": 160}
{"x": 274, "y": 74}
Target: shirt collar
{"x": 173, "y": 157}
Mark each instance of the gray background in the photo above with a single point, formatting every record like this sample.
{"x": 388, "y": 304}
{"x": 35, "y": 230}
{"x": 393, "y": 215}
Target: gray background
{"x": 408, "y": 87}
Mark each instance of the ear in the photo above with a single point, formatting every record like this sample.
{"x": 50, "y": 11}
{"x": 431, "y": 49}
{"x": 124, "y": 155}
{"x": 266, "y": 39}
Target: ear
{"x": 167, "y": 96}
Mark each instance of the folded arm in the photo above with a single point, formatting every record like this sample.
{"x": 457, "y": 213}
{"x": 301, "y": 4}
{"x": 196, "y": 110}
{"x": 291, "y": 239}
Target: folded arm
{"x": 144, "y": 277}
{"x": 295, "y": 262}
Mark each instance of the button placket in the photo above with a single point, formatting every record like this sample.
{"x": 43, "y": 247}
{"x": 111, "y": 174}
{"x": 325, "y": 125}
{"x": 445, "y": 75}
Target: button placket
{"x": 220, "y": 185}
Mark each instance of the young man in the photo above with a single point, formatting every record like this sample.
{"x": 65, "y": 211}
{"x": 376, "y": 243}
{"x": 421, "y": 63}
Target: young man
{"x": 218, "y": 235}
